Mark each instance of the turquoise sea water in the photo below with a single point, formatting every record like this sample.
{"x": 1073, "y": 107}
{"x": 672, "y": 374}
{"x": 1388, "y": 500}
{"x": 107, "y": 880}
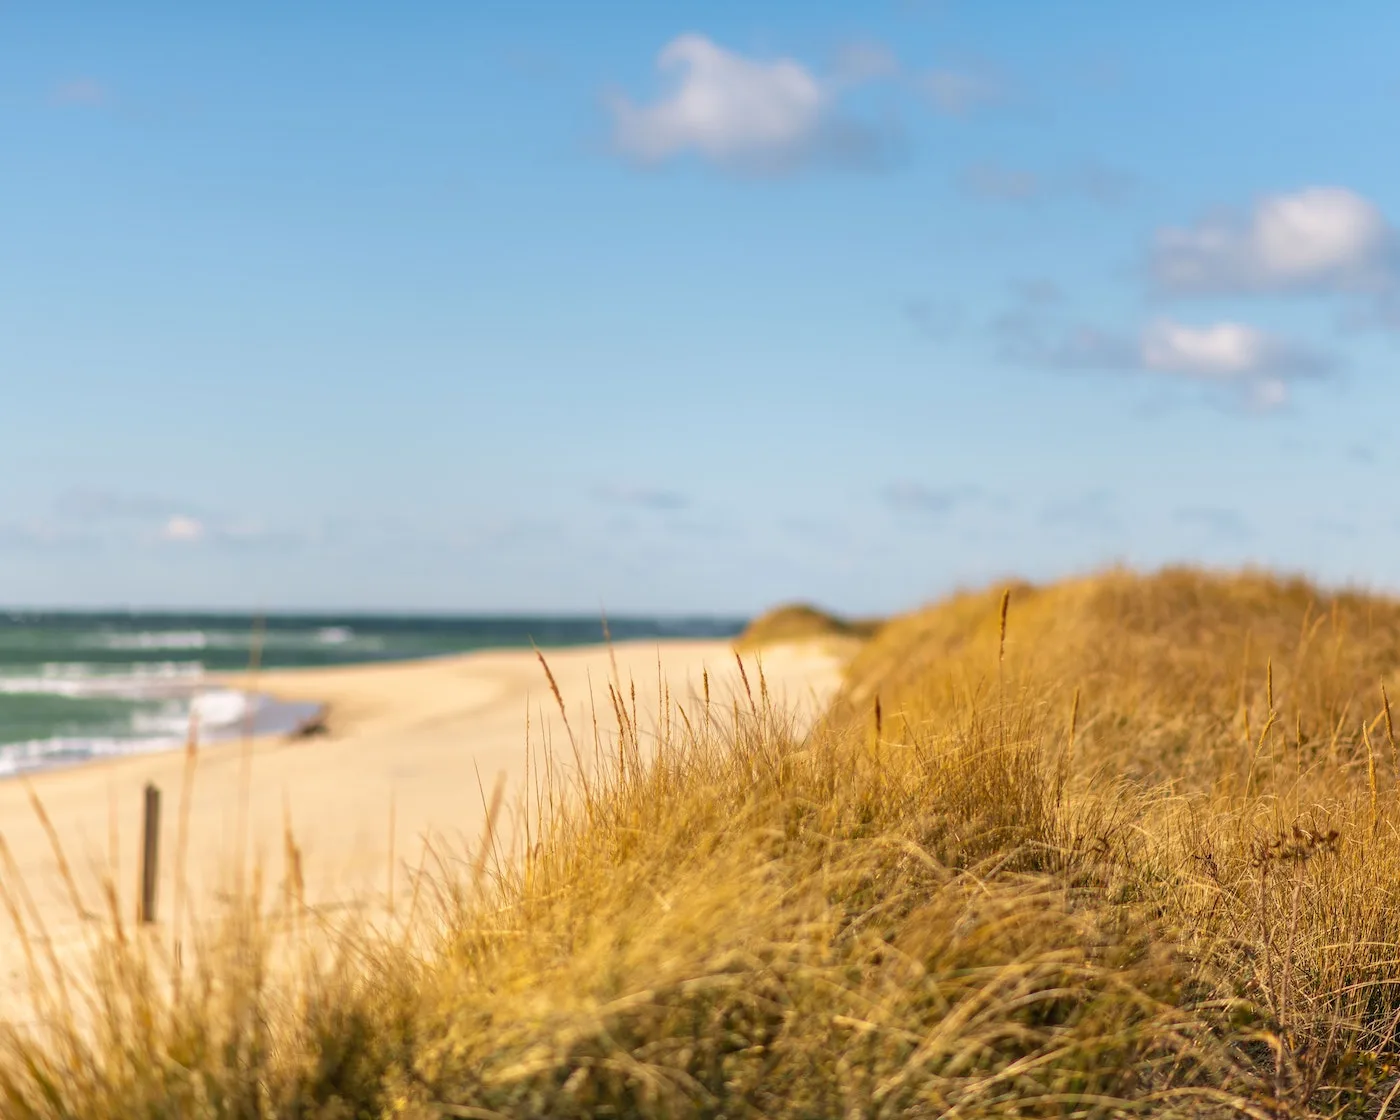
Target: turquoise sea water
{"x": 79, "y": 686}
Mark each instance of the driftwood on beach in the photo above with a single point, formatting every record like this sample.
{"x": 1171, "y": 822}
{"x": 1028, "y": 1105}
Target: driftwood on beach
{"x": 310, "y": 727}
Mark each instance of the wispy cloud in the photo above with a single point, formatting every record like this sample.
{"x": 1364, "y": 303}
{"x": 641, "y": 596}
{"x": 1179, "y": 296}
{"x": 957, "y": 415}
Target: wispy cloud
{"x": 1317, "y": 239}
{"x": 1022, "y": 337}
{"x": 822, "y": 530}
{"x": 533, "y": 64}
{"x": 253, "y": 535}
{"x": 935, "y": 319}
{"x": 84, "y": 93}
{"x": 913, "y": 497}
{"x": 1336, "y": 527}
{"x": 1038, "y": 291}
{"x": 116, "y": 515}
{"x": 1381, "y": 312}
{"x": 865, "y": 61}
{"x": 1216, "y": 521}
{"x": 656, "y": 499}
{"x": 1225, "y": 351}
{"x": 1256, "y": 364}
{"x": 954, "y": 91}
{"x": 122, "y": 513}
{"x": 772, "y": 115}
{"x": 750, "y": 115}
{"x": 960, "y": 92}
{"x": 183, "y": 529}
{"x": 44, "y": 536}
{"x": 991, "y": 181}
{"x": 235, "y": 535}
{"x": 95, "y": 504}
{"x": 1095, "y": 511}
{"x": 1002, "y": 184}
{"x": 1104, "y": 183}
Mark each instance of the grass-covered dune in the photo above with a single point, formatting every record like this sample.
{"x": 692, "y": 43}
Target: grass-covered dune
{"x": 799, "y": 622}
{"x": 1116, "y": 846}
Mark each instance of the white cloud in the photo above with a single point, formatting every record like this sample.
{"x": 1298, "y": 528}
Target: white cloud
{"x": 1319, "y": 238}
{"x": 183, "y": 529}
{"x": 774, "y": 114}
{"x": 1231, "y": 355}
{"x": 746, "y": 114}
{"x": 1221, "y": 350}
{"x": 726, "y": 106}
{"x": 115, "y": 516}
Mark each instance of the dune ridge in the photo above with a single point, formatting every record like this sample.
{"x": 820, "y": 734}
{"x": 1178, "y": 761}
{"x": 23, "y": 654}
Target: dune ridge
{"x": 1116, "y": 846}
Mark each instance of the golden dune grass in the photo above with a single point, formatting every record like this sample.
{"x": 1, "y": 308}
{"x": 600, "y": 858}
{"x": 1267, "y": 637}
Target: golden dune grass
{"x": 802, "y": 622}
{"x": 1117, "y": 846}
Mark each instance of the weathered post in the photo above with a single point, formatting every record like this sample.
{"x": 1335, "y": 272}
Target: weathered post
{"x": 150, "y": 854}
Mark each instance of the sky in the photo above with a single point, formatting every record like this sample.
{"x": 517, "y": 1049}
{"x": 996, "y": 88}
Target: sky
{"x": 694, "y": 307}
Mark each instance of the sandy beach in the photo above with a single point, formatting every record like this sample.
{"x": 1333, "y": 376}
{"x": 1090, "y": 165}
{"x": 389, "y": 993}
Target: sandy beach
{"x": 411, "y": 745}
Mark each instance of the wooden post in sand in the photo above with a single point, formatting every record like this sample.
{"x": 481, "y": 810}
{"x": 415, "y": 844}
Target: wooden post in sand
{"x": 150, "y": 853}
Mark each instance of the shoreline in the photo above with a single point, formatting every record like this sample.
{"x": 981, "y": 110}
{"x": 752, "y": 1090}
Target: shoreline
{"x": 284, "y": 686}
{"x": 284, "y": 719}
{"x": 408, "y": 751}
{"x": 78, "y": 687}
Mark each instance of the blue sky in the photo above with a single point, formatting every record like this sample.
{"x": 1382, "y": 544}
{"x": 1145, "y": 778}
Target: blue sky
{"x": 690, "y": 307}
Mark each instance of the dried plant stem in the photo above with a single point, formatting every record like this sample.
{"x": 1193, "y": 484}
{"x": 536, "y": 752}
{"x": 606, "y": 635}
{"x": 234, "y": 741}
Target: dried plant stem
{"x": 1390, "y": 735}
{"x": 1067, "y": 757}
{"x": 488, "y": 835}
{"x": 182, "y": 843}
{"x": 1001, "y": 662}
{"x": 15, "y": 881}
{"x": 245, "y": 776}
{"x": 65, "y": 871}
{"x": 1371, "y": 779}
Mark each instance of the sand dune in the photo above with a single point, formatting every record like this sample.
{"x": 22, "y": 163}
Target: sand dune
{"x": 422, "y": 737}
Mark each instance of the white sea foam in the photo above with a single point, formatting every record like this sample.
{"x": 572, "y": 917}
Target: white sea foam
{"x": 82, "y": 680}
{"x": 223, "y": 714}
{"x": 224, "y": 708}
{"x": 155, "y": 639}
{"x": 216, "y": 714}
{"x": 168, "y": 700}
{"x": 49, "y": 754}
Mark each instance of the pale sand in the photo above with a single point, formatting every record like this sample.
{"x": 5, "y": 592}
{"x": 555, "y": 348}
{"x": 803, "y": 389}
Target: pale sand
{"x": 424, "y": 737}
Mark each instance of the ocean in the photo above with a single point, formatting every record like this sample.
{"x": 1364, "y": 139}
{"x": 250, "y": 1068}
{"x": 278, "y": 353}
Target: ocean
{"x": 79, "y": 686}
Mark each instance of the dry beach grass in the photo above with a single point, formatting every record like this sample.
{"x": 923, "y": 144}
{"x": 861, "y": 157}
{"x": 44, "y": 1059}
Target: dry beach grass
{"x": 1115, "y": 846}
